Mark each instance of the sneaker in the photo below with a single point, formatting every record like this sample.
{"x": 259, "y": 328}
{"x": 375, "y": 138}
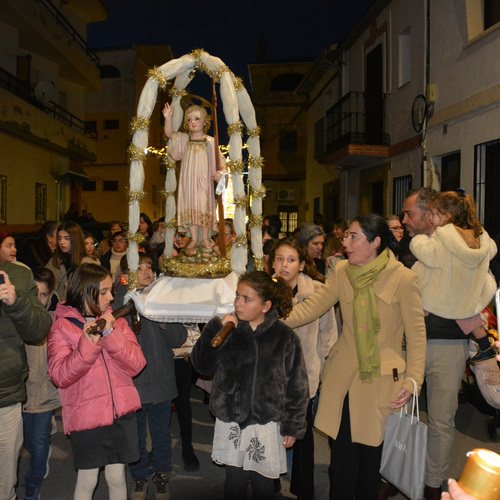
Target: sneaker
{"x": 483, "y": 355}
{"x": 160, "y": 481}
{"x": 139, "y": 490}
{"x": 32, "y": 494}
{"x": 191, "y": 462}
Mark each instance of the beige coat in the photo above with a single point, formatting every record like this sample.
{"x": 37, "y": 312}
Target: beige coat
{"x": 400, "y": 310}
{"x": 317, "y": 337}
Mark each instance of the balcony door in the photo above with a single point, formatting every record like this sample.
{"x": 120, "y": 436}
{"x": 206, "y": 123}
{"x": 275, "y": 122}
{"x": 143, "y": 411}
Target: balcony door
{"x": 374, "y": 97}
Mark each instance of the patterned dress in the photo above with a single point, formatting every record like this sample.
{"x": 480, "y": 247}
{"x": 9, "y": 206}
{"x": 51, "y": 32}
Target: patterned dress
{"x": 196, "y": 197}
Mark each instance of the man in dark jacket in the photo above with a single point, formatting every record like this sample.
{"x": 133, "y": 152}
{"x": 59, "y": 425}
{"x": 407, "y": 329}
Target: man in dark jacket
{"x": 22, "y": 317}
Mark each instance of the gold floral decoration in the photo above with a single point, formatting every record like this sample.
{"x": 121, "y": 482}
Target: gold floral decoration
{"x": 258, "y": 193}
{"x": 253, "y": 132}
{"x": 175, "y": 92}
{"x": 177, "y": 268}
{"x": 135, "y": 154}
{"x": 171, "y": 224}
{"x": 241, "y": 201}
{"x": 257, "y": 162}
{"x": 138, "y": 123}
{"x": 238, "y": 84}
{"x": 235, "y": 166}
{"x": 137, "y": 238}
{"x": 133, "y": 280}
{"x": 156, "y": 75}
{"x": 258, "y": 264}
{"x": 135, "y": 196}
{"x": 255, "y": 221}
{"x": 241, "y": 241}
{"x": 235, "y": 128}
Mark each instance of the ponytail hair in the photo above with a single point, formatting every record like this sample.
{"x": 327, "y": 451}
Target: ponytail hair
{"x": 461, "y": 207}
{"x": 273, "y": 289}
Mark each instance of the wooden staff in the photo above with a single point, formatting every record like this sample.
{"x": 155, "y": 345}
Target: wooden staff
{"x": 128, "y": 308}
{"x": 221, "y": 336}
{"x": 222, "y": 225}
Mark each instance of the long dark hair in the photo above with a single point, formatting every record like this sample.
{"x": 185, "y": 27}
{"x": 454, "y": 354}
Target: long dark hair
{"x": 77, "y": 252}
{"x": 84, "y": 288}
{"x": 273, "y": 289}
{"x": 147, "y": 220}
{"x": 309, "y": 268}
{"x": 372, "y": 226}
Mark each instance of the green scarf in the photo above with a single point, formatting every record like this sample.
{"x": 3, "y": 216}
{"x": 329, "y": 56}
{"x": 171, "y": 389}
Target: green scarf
{"x": 366, "y": 318}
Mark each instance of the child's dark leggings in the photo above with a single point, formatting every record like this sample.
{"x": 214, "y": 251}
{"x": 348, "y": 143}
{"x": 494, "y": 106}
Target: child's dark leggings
{"x": 236, "y": 484}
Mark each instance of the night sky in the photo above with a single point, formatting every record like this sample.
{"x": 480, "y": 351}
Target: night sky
{"x": 230, "y": 29}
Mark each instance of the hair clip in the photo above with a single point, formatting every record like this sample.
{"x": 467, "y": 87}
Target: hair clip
{"x": 460, "y": 191}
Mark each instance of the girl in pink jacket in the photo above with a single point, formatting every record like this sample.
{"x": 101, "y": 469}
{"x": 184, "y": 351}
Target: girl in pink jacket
{"x": 94, "y": 375}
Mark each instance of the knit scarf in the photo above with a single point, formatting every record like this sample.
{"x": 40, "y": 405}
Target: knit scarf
{"x": 366, "y": 318}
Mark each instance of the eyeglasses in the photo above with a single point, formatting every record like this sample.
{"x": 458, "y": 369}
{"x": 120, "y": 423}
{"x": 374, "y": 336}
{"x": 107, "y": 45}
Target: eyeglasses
{"x": 396, "y": 228}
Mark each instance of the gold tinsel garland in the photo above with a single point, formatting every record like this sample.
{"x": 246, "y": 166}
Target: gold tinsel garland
{"x": 220, "y": 71}
{"x": 172, "y": 224}
{"x": 235, "y": 128}
{"x": 259, "y": 264}
{"x": 257, "y": 162}
{"x": 175, "y": 92}
{"x": 165, "y": 193}
{"x": 258, "y": 193}
{"x": 135, "y": 154}
{"x": 198, "y": 63}
{"x": 135, "y": 196}
{"x": 253, "y": 132}
{"x": 235, "y": 166}
{"x": 137, "y": 238}
{"x": 255, "y": 221}
{"x": 178, "y": 268}
{"x": 133, "y": 280}
{"x": 168, "y": 163}
{"x": 238, "y": 84}
{"x": 138, "y": 123}
{"x": 156, "y": 75}
{"x": 241, "y": 201}
{"x": 241, "y": 241}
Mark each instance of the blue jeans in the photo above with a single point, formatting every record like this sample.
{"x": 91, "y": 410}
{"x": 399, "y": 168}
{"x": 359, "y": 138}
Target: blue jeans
{"x": 36, "y": 440}
{"x": 159, "y": 428}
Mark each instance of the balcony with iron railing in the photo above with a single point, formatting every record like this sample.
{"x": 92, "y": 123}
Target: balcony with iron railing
{"x": 59, "y": 18}
{"x": 355, "y": 120}
{"x": 26, "y": 92}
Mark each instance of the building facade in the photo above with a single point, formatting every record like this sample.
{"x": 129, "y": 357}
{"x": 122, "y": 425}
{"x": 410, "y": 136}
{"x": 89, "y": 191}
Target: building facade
{"x": 46, "y": 68}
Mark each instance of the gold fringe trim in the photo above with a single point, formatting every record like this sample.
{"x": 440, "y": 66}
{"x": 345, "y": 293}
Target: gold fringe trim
{"x": 175, "y": 92}
{"x": 198, "y": 63}
{"x": 177, "y": 268}
{"x": 172, "y": 224}
{"x": 241, "y": 241}
{"x": 241, "y": 201}
{"x": 238, "y": 84}
{"x": 220, "y": 71}
{"x": 259, "y": 264}
{"x": 166, "y": 193}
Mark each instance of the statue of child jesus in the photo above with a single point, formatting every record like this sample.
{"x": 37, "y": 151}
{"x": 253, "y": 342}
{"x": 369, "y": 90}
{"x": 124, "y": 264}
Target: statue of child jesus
{"x": 196, "y": 197}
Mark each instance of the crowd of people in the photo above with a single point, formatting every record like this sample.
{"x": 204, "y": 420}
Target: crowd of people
{"x": 331, "y": 334}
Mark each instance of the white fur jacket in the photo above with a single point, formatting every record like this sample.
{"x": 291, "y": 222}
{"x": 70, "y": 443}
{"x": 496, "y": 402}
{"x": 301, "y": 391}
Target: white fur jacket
{"x": 454, "y": 278}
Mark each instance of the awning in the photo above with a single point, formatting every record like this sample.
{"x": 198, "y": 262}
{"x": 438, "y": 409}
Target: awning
{"x": 76, "y": 174}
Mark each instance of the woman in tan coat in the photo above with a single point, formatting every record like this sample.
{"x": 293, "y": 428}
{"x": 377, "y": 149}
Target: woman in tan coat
{"x": 365, "y": 377}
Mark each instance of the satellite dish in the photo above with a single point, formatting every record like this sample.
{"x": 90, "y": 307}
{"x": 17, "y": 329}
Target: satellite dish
{"x": 44, "y": 91}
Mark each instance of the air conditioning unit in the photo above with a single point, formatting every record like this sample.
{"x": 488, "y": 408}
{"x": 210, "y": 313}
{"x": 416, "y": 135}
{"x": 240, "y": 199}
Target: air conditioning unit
{"x": 286, "y": 195}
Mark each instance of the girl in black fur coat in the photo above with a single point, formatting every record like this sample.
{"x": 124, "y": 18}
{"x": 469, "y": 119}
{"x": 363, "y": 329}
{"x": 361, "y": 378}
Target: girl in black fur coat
{"x": 260, "y": 388}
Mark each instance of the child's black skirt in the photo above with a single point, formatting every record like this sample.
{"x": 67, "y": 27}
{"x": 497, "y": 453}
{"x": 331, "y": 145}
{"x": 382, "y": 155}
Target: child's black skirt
{"x": 117, "y": 443}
